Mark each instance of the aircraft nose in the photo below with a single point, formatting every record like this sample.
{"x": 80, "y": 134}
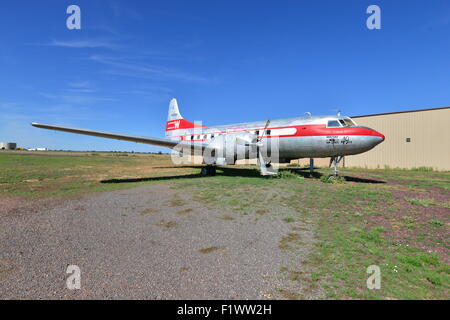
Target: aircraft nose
{"x": 377, "y": 134}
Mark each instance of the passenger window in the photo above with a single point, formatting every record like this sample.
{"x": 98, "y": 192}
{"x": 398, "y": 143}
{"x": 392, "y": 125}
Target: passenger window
{"x": 268, "y": 132}
{"x": 192, "y": 137}
{"x": 333, "y": 123}
{"x": 257, "y": 132}
{"x": 212, "y": 136}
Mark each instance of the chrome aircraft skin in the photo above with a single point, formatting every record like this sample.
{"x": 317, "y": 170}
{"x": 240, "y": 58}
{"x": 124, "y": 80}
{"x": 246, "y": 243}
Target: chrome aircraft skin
{"x": 300, "y": 137}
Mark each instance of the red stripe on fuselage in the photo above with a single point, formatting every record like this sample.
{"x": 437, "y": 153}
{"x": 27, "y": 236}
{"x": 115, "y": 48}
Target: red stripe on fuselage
{"x": 309, "y": 130}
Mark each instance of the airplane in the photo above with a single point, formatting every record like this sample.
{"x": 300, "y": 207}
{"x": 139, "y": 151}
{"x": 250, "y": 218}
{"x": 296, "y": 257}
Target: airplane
{"x": 271, "y": 141}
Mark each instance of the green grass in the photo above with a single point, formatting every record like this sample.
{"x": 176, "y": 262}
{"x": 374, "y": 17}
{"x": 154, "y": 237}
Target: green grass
{"x": 421, "y": 202}
{"x": 57, "y": 174}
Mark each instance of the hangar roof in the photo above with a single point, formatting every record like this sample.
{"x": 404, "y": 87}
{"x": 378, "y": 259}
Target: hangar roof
{"x": 408, "y": 111}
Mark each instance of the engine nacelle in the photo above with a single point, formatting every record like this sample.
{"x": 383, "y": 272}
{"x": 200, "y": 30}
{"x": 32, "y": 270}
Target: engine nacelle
{"x": 226, "y": 149}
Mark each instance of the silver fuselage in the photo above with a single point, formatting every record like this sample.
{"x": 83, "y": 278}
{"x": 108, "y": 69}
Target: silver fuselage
{"x": 300, "y": 137}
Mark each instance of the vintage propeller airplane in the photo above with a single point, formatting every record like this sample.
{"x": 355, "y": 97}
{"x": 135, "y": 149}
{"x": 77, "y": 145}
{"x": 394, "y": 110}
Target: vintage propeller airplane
{"x": 271, "y": 141}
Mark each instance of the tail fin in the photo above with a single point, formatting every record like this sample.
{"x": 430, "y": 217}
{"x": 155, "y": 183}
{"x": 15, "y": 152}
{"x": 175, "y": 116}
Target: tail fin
{"x": 174, "y": 113}
{"x": 176, "y": 124}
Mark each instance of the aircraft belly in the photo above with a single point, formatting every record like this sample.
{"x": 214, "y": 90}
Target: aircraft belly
{"x": 303, "y": 147}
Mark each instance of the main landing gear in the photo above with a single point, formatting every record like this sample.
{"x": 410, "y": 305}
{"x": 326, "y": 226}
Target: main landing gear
{"x": 208, "y": 171}
{"x": 335, "y": 161}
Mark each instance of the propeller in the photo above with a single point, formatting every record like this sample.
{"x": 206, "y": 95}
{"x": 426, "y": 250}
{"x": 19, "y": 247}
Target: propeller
{"x": 264, "y": 131}
{"x": 266, "y": 168}
{"x": 248, "y": 141}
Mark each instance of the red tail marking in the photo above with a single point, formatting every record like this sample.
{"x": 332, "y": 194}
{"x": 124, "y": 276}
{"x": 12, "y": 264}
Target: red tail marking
{"x": 180, "y": 124}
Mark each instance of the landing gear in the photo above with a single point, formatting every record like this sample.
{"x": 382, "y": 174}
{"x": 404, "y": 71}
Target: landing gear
{"x": 311, "y": 166}
{"x": 335, "y": 161}
{"x": 208, "y": 171}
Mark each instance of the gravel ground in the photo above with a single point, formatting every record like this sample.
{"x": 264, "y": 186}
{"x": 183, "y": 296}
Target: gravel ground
{"x": 140, "y": 243}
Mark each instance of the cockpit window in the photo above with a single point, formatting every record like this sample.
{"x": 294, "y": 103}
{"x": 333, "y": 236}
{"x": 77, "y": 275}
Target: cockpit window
{"x": 333, "y": 123}
{"x": 347, "y": 122}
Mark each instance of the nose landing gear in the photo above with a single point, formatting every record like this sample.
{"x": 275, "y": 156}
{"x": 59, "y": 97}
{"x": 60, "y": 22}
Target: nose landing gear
{"x": 335, "y": 161}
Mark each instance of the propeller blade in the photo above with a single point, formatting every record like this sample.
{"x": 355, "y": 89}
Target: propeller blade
{"x": 264, "y": 131}
{"x": 265, "y": 169}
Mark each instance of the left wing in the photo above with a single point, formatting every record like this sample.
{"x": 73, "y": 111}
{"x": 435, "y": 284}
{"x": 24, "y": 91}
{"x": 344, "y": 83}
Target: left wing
{"x": 140, "y": 139}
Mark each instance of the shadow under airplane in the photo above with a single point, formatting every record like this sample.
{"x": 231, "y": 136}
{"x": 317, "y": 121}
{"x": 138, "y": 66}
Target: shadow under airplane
{"x": 237, "y": 172}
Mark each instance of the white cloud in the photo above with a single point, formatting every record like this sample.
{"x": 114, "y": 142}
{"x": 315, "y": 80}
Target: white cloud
{"x": 84, "y": 44}
{"x": 74, "y": 98}
{"x": 146, "y": 71}
{"x": 80, "y": 84}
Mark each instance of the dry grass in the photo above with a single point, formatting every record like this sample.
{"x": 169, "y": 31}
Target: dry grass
{"x": 176, "y": 203}
{"x": 209, "y": 250}
{"x": 148, "y": 211}
{"x": 166, "y": 224}
{"x": 289, "y": 240}
{"x": 227, "y": 217}
{"x": 184, "y": 211}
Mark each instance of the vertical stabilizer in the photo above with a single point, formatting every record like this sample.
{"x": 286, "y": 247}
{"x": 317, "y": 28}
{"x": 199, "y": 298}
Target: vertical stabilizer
{"x": 174, "y": 113}
{"x": 176, "y": 125}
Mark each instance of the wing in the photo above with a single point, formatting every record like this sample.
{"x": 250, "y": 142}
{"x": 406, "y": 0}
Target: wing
{"x": 140, "y": 139}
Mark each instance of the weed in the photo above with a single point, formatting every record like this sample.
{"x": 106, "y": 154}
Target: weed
{"x": 436, "y": 223}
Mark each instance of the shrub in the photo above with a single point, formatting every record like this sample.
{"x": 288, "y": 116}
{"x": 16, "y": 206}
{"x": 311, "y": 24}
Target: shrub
{"x": 332, "y": 179}
{"x": 286, "y": 174}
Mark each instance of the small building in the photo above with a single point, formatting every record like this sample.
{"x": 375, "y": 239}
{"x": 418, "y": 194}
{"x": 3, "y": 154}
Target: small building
{"x": 8, "y": 145}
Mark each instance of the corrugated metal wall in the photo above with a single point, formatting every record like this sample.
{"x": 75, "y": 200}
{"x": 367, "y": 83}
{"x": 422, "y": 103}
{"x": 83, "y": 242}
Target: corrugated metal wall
{"x": 429, "y": 146}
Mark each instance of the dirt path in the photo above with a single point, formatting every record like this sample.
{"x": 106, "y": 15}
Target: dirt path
{"x": 149, "y": 242}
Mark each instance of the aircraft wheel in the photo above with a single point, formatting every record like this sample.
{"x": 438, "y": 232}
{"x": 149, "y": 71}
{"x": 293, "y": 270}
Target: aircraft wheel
{"x": 208, "y": 171}
{"x": 205, "y": 171}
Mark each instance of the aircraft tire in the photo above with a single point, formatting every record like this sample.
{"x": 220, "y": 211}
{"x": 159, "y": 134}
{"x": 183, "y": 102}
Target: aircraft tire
{"x": 208, "y": 171}
{"x": 204, "y": 172}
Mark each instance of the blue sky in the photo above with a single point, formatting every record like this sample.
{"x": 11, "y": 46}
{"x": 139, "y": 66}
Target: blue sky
{"x": 225, "y": 62}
